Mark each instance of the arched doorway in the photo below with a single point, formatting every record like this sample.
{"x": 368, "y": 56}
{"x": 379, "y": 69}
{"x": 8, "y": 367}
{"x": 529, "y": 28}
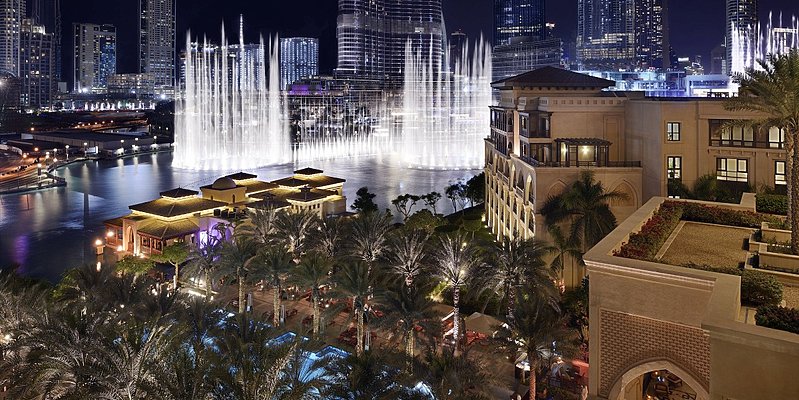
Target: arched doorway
{"x": 658, "y": 380}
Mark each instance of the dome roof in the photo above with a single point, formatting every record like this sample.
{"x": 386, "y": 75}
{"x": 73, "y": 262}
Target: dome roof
{"x": 224, "y": 183}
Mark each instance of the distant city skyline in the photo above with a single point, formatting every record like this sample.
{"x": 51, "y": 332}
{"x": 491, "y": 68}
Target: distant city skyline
{"x": 696, "y": 27}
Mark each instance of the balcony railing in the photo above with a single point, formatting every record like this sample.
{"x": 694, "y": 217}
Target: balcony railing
{"x": 754, "y": 144}
{"x": 570, "y": 164}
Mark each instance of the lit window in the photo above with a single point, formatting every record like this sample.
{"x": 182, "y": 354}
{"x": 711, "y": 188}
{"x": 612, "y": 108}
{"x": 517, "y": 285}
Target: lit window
{"x": 779, "y": 173}
{"x": 776, "y": 137}
{"x": 673, "y": 131}
{"x": 674, "y": 167}
{"x": 732, "y": 169}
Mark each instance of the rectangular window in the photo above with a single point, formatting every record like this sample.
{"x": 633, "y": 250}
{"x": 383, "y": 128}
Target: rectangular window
{"x": 674, "y": 167}
{"x": 732, "y": 169}
{"x": 673, "y": 131}
{"x": 776, "y": 138}
{"x": 779, "y": 173}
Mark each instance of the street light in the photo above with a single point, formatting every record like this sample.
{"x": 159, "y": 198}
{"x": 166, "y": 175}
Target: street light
{"x": 67, "y": 151}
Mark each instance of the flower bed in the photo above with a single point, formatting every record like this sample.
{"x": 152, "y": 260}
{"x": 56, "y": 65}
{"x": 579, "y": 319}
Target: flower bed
{"x": 785, "y": 319}
{"x": 644, "y": 245}
{"x": 722, "y": 216}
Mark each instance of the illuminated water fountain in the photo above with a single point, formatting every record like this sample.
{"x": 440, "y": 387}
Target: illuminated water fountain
{"x": 230, "y": 116}
{"x": 445, "y": 114}
{"x": 752, "y": 45}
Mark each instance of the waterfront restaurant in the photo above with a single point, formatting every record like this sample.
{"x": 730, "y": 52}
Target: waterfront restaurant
{"x": 183, "y": 215}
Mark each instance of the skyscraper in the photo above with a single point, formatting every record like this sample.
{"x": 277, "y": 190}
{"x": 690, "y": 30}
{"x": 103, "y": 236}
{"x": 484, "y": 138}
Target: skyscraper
{"x": 299, "y": 58}
{"x": 94, "y": 57}
{"x": 742, "y": 21}
{"x": 157, "y": 42}
{"x": 606, "y": 33}
{"x": 47, "y": 13}
{"x": 651, "y": 34}
{"x": 37, "y": 65}
{"x": 519, "y": 18}
{"x": 372, "y": 35}
{"x": 11, "y": 14}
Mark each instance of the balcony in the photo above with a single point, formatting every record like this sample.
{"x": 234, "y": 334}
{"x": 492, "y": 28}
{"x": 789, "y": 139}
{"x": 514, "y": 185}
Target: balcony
{"x": 581, "y": 164}
{"x": 751, "y": 144}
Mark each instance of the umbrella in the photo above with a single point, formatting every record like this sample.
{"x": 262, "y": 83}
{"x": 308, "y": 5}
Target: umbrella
{"x": 482, "y": 323}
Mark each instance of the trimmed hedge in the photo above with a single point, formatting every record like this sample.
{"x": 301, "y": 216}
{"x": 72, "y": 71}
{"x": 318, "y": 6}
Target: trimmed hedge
{"x": 757, "y": 288}
{"x": 772, "y": 203}
{"x": 782, "y": 318}
{"x": 722, "y": 216}
{"x": 646, "y": 243}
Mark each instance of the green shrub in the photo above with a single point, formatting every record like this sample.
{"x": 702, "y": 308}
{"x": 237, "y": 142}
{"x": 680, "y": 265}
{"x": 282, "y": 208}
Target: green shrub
{"x": 771, "y": 316}
{"x": 772, "y": 203}
{"x": 722, "y": 216}
{"x": 757, "y": 288}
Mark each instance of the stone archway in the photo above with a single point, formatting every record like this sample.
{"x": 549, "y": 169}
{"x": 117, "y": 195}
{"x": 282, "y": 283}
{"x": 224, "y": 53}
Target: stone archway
{"x": 617, "y": 391}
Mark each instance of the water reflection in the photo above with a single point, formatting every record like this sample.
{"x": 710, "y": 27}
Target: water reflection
{"x": 53, "y": 230}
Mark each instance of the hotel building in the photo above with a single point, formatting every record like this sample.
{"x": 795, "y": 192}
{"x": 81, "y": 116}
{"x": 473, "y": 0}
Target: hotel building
{"x": 551, "y": 124}
{"x": 183, "y": 215}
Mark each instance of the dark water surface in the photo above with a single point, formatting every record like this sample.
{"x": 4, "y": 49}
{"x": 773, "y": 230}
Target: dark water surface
{"x": 48, "y": 232}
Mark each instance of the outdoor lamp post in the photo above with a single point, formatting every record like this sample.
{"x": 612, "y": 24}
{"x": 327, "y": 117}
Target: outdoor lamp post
{"x": 67, "y": 151}
{"x": 85, "y": 150}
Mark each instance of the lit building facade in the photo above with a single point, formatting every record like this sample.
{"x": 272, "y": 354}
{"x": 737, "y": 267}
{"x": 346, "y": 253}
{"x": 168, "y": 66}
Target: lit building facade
{"x": 132, "y": 85}
{"x": 606, "y": 34}
{"x": 94, "y": 57}
{"x": 299, "y": 59}
{"x": 47, "y": 13}
{"x": 372, "y": 35}
{"x": 519, "y": 18}
{"x": 37, "y": 66}
{"x": 741, "y": 16}
{"x": 157, "y": 26}
{"x": 651, "y": 34}
{"x": 517, "y": 58}
{"x": 552, "y": 124}
{"x": 12, "y": 12}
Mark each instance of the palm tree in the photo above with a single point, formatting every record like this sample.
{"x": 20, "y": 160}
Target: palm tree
{"x": 294, "y": 229}
{"x": 204, "y": 257}
{"x": 586, "y": 206}
{"x": 362, "y": 377}
{"x": 456, "y": 259}
{"x": 234, "y": 263}
{"x": 408, "y": 309}
{"x": 457, "y": 377}
{"x": 272, "y": 264}
{"x": 247, "y": 366}
{"x": 515, "y": 264}
{"x": 262, "y": 225}
{"x": 407, "y": 254}
{"x": 537, "y": 324}
{"x": 175, "y": 255}
{"x": 370, "y": 235}
{"x": 771, "y": 90}
{"x": 330, "y": 236}
{"x": 312, "y": 273}
{"x": 563, "y": 247}
{"x": 301, "y": 380}
{"x": 353, "y": 282}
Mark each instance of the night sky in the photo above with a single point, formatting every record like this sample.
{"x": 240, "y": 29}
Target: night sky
{"x": 696, "y": 25}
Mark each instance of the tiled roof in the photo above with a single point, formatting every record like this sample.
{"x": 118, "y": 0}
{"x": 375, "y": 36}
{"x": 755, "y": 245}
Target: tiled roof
{"x": 178, "y": 193}
{"x": 552, "y": 77}
{"x": 308, "y": 171}
{"x": 323, "y": 180}
{"x": 290, "y": 182}
{"x": 168, "y": 230}
{"x": 241, "y": 176}
{"x": 169, "y": 208}
{"x": 114, "y": 222}
{"x": 254, "y": 186}
{"x": 269, "y": 204}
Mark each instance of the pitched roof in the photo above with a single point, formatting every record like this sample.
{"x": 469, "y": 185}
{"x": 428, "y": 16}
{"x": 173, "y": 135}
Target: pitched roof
{"x": 269, "y": 204}
{"x": 308, "y": 171}
{"x": 168, "y": 230}
{"x": 241, "y": 176}
{"x": 168, "y": 208}
{"x": 552, "y": 77}
{"x": 290, "y": 182}
{"x": 178, "y": 193}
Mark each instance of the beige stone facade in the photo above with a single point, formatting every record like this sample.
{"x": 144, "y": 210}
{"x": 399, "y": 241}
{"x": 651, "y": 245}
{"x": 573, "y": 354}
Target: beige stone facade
{"x": 650, "y": 316}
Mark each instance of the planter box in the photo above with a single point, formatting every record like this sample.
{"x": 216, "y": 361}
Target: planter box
{"x": 774, "y": 235}
{"x": 787, "y": 262}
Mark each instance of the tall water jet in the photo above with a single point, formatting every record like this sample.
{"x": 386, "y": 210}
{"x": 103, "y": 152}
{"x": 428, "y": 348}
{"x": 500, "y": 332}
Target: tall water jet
{"x": 229, "y": 115}
{"x": 752, "y": 45}
{"x": 445, "y": 114}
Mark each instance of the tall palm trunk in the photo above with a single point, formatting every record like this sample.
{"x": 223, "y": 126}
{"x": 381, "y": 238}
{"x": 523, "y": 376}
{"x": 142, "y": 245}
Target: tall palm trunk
{"x": 533, "y": 377}
{"x": 792, "y": 177}
{"x": 511, "y": 302}
{"x": 276, "y": 303}
{"x": 411, "y": 344}
{"x": 456, "y": 298}
{"x": 315, "y": 315}
{"x": 175, "y": 283}
{"x": 359, "y": 310}
{"x": 207, "y": 285}
{"x": 241, "y": 293}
